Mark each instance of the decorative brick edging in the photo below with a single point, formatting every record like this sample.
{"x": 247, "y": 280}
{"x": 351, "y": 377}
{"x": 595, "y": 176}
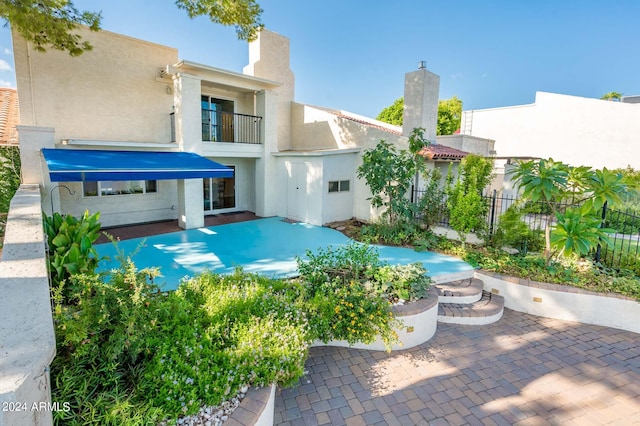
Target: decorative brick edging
{"x": 420, "y": 320}
{"x": 564, "y": 302}
{"x": 256, "y": 409}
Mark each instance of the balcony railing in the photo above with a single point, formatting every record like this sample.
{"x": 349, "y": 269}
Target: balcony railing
{"x": 218, "y": 126}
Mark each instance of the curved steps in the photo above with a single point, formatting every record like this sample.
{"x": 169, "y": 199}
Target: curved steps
{"x": 465, "y": 302}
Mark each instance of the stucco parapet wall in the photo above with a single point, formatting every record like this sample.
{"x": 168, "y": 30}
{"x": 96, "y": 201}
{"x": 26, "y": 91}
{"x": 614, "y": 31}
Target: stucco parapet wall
{"x": 564, "y": 302}
{"x": 21, "y": 127}
{"x": 117, "y": 144}
{"x": 27, "y": 342}
{"x": 317, "y": 153}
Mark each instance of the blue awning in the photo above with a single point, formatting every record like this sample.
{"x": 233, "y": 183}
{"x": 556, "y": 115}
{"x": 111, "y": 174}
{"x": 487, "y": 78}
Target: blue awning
{"x": 76, "y": 165}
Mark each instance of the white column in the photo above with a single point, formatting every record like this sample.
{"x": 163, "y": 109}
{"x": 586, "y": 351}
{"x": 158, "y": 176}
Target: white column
{"x": 189, "y": 138}
{"x": 267, "y": 191}
{"x": 34, "y": 170}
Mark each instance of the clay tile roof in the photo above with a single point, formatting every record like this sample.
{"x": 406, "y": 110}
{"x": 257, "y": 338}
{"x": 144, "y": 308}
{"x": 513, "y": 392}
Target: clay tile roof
{"x": 440, "y": 152}
{"x": 376, "y": 124}
{"x": 9, "y": 116}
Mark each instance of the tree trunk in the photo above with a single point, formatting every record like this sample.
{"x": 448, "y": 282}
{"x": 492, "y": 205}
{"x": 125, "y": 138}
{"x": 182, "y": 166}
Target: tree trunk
{"x": 547, "y": 240}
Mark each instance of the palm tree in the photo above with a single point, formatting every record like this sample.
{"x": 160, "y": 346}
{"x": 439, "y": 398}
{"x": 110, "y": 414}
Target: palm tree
{"x": 612, "y": 96}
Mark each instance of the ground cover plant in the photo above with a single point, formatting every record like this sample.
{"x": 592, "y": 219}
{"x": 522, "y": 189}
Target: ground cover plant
{"x": 130, "y": 354}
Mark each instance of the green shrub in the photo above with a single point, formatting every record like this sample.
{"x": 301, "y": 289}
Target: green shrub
{"x": 102, "y": 339}
{"x": 70, "y": 241}
{"x": 400, "y": 233}
{"x": 513, "y": 232}
{"x": 350, "y": 293}
{"x": 219, "y": 333}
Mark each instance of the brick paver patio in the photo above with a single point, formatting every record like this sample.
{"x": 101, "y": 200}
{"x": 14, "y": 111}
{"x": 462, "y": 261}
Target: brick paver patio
{"x": 521, "y": 370}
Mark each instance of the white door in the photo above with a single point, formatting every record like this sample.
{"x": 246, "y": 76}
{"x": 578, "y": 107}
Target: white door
{"x": 297, "y": 192}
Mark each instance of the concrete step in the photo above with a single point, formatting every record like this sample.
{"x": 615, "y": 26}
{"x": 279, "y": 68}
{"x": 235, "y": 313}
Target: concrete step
{"x": 487, "y": 310}
{"x": 468, "y": 290}
{"x": 452, "y": 276}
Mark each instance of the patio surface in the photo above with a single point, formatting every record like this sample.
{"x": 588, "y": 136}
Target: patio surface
{"x": 521, "y": 370}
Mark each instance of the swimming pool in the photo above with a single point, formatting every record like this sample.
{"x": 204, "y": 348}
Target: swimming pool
{"x": 267, "y": 246}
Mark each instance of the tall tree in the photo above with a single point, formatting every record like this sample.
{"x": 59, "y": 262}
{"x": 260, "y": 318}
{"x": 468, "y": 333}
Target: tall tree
{"x": 393, "y": 113}
{"x": 612, "y": 96}
{"x": 51, "y": 23}
{"x": 449, "y": 115}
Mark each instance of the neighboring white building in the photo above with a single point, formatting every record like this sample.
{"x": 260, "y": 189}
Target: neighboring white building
{"x": 288, "y": 159}
{"x": 578, "y": 131}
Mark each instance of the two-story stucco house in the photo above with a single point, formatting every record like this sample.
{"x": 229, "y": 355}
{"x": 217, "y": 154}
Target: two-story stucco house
{"x": 132, "y": 131}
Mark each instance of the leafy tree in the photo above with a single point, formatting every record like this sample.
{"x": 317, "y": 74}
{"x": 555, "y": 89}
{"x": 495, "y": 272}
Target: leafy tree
{"x": 389, "y": 173}
{"x": 9, "y": 175}
{"x": 612, "y": 96}
{"x": 449, "y": 115}
{"x": 467, "y": 209}
{"x": 51, "y": 23}
{"x": 393, "y": 113}
{"x": 575, "y": 197}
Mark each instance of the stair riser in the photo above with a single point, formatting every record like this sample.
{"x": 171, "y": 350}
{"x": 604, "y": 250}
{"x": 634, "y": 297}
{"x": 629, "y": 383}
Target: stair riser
{"x": 456, "y": 276}
{"x": 471, "y": 320}
{"x": 460, "y": 299}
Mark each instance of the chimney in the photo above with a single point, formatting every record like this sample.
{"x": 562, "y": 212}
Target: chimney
{"x": 421, "y": 92}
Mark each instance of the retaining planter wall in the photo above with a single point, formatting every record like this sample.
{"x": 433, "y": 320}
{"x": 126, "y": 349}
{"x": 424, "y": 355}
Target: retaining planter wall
{"x": 420, "y": 322}
{"x": 564, "y": 302}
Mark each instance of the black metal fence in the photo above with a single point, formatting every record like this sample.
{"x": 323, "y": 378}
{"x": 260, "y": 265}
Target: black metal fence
{"x": 625, "y": 248}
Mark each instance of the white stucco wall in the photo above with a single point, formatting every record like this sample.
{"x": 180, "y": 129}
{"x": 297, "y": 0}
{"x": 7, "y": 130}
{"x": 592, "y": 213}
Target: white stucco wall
{"x": 338, "y": 205}
{"x": 315, "y": 128}
{"x": 575, "y": 130}
{"x": 269, "y": 59}
{"x": 109, "y": 93}
{"x": 466, "y": 143}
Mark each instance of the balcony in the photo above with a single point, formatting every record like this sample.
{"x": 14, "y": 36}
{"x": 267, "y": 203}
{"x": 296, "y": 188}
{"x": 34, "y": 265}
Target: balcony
{"x": 220, "y": 126}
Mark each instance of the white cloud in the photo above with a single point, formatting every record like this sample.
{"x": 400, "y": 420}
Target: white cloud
{"x": 4, "y": 83}
{"x": 457, "y": 76}
{"x": 4, "y": 65}
{"x": 6, "y": 51}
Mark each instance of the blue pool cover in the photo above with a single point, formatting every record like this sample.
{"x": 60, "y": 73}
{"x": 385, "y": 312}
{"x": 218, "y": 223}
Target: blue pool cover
{"x": 266, "y": 246}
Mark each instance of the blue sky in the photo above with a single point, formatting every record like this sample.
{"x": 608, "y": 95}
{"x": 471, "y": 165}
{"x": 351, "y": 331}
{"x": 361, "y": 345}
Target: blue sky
{"x": 353, "y": 54}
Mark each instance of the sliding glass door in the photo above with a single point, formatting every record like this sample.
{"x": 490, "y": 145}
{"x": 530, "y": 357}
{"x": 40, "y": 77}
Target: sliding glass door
{"x": 219, "y": 193}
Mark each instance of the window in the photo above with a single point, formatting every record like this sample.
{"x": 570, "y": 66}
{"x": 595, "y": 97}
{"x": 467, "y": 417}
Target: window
{"x": 338, "y": 186}
{"x": 121, "y": 187}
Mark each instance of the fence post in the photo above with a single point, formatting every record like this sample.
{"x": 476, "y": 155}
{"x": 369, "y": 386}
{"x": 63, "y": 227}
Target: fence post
{"x": 604, "y": 216}
{"x": 493, "y": 212}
